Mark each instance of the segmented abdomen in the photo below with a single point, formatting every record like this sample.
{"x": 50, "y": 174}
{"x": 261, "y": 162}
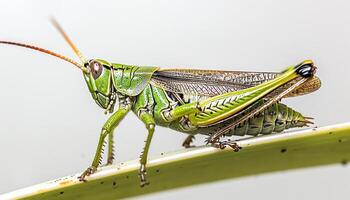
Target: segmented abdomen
{"x": 276, "y": 118}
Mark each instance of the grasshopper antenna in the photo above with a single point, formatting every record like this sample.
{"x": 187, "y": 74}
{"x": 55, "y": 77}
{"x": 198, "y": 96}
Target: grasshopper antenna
{"x": 75, "y": 49}
{"x": 84, "y": 69}
{"x": 68, "y": 40}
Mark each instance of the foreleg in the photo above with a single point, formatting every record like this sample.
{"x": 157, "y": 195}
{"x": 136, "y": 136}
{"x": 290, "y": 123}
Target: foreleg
{"x": 107, "y": 129}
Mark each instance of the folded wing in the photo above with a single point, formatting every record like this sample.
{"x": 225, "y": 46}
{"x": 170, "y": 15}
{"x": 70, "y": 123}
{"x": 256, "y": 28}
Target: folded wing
{"x": 216, "y": 82}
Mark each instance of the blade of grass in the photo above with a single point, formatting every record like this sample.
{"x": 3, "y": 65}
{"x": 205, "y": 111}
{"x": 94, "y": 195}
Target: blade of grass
{"x": 292, "y": 150}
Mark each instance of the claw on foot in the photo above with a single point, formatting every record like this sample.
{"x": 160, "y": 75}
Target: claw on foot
{"x": 188, "y": 146}
{"x": 142, "y": 174}
{"x": 234, "y": 146}
{"x": 224, "y": 144}
{"x": 109, "y": 162}
{"x": 86, "y": 173}
{"x": 144, "y": 183}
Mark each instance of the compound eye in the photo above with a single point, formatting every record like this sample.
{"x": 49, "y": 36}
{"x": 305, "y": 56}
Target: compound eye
{"x": 96, "y": 69}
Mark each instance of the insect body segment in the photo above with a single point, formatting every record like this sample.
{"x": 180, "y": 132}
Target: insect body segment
{"x": 131, "y": 80}
{"x": 99, "y": 83}
{"x": 275, "y": 119}
{"x": 209, "y": 102}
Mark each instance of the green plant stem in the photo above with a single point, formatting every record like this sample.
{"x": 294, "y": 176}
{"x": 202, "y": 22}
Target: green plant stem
{"x": 292, "y": 150}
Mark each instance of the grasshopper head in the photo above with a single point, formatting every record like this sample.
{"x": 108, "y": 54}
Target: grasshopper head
{"x": 99, "y": 82}
{"x": 97, "y": 75}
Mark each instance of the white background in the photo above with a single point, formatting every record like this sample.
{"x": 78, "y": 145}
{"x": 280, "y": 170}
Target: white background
{"x": 49, "y": 124}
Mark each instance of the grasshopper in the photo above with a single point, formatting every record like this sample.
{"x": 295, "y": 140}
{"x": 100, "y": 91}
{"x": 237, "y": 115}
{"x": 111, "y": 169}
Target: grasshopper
{"x": 210, "y": 102}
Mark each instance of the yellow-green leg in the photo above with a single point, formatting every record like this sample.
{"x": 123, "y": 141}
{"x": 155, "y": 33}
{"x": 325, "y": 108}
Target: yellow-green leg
{"x": 221, "y": 107}
{"x": 218, "y": 108}
{"x": 107, "y": 129}
{"x": 303, "y": 71}
{"x": 146, "y": 118}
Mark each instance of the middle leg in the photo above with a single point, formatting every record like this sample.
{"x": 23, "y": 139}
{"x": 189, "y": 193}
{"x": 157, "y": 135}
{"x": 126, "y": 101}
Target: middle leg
{"x": 148, "y": 120}
{"x": 188, "y": 141}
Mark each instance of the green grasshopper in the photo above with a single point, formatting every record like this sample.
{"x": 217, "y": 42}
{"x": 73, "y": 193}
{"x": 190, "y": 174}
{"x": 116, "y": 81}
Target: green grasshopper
{"x": 210, "y": 102}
